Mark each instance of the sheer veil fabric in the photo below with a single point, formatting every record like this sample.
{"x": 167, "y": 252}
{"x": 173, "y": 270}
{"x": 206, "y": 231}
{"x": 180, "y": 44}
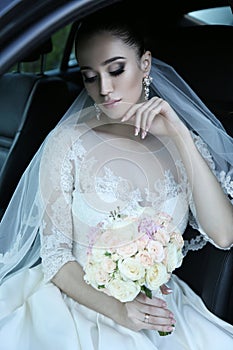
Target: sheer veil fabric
{"x": 19, "y": 228}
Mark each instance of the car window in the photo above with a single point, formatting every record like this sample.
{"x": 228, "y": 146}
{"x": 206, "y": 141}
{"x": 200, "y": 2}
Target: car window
{"x": 216, "y": 15}
{"x": 52, "y": 59}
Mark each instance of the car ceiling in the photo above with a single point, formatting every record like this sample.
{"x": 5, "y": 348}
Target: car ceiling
{"x": 25, "y": 24}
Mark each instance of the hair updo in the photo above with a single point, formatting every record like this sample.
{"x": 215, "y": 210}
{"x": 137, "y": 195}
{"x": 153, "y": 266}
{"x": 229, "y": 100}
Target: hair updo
{"x": 116, "y": 22}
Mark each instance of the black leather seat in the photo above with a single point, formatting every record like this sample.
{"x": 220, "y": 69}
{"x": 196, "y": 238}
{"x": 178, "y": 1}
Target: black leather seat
{"x": 30, "y": 106}
{"x": 203, "y": 56}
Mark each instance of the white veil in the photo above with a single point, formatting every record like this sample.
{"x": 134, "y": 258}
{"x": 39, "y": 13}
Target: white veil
{"x": 19, "y": 228}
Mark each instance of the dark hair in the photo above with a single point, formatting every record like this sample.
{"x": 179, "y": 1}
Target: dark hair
{"x": 114, "y": 20}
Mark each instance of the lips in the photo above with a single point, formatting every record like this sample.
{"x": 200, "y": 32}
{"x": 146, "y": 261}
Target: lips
{"x": 111, "y": 104}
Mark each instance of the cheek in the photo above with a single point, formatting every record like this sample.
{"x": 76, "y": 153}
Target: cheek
{"x": 132, "y": 87}
{"x": 92, "y": 90}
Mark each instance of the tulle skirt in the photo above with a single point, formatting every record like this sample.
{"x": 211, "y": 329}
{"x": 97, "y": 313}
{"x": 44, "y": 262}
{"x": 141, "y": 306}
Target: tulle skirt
{"x": 37, "y": 316}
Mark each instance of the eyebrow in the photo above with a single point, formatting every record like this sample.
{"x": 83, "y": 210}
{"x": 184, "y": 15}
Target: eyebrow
{"x": 110, "y": 60}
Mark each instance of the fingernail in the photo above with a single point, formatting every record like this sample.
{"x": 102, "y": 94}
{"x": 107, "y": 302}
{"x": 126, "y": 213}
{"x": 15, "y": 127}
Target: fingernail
{"x": 136, "y": 132}
{"x": 143, "y": 134}
{"x": 123, "y": 119}
{"x": 169, "y": 290}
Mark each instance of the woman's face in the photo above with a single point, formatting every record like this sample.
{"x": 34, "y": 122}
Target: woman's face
{"x": 111, "y": 72}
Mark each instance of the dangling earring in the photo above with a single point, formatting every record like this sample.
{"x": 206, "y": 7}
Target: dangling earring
{"x": 146, "y": 83}
{"x": 97, "y": 111}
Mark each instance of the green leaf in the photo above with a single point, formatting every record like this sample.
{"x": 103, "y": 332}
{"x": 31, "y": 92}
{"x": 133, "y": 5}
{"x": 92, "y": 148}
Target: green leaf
{"x": 101, "y": 286}
{"x": 147, "y": 291}
{"x": 162, "y": 334}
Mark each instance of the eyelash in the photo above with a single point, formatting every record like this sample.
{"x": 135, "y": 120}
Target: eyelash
{"x": 115, "y": 73}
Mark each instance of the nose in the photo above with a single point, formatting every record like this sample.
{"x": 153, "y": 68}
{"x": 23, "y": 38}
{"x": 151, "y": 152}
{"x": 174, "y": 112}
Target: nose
{"x": 106, "y": 85}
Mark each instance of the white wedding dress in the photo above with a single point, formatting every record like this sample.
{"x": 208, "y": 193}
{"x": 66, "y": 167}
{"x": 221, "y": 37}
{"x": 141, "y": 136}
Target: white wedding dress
{"x": 36, "y": 315}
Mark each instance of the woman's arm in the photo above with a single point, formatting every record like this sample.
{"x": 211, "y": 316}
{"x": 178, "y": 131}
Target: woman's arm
{"x": 214, "y": 210}
{"x": 59, "y": 264}
{"x": 70, "y": 280}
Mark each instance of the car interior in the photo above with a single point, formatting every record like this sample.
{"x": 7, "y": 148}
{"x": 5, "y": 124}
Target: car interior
{"x": 33, "y": 103}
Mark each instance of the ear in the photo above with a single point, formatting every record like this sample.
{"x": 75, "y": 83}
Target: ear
{"x": 146, "y": 62}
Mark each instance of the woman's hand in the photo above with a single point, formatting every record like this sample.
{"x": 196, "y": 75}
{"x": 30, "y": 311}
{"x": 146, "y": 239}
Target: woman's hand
{"x": 165, "y": 289}
{"x": 155, "y": 116}
{"x": 146, "y": 313}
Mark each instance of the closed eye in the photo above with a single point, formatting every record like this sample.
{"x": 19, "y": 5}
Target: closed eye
{"x": 117, "y": 72}
{"x": 90, "y": 80}
{"x": 113, "y": 73}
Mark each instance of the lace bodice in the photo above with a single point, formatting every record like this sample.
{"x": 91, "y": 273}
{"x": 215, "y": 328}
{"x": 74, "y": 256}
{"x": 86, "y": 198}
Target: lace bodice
{"x": 81, "y": 194}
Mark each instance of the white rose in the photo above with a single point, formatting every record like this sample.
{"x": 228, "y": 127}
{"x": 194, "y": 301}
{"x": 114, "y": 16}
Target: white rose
{"x": 97, "y": 254}
{"x": 101, "y": 276}
{"x": 173, "y": 257}
{"x": 123, "y": 290}
{"x": 130, "y": 268}
{"x": 156, "y": 275}
{"x": 108, "y": 265}
{"x": 90, "y": 273}
{"x": 177, "y": 239}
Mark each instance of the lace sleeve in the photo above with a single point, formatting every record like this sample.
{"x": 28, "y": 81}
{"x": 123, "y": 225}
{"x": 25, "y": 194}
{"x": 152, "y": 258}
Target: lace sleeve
{"x": 199, "y": 241}
{"x": 57, "y": 180}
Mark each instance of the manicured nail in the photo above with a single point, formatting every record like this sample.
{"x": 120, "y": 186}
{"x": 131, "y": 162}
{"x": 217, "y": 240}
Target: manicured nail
{"x": 144, "y": 133}
{"x": 136, "y": 132}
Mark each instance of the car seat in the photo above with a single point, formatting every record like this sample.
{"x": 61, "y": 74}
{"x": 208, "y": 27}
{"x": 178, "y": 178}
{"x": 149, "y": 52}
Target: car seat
{"x": 30, "y": 106}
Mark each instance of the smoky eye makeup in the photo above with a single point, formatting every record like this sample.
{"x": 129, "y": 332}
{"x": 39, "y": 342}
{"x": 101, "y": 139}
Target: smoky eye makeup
{"x": 117, "y": 69}
{"x": 89, "y": 78}
{"x": 114, "y": 70}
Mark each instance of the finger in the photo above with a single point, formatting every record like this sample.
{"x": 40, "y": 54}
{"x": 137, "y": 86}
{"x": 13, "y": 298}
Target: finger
{"x": 162, "y": 321}
{"x": 154, "y": 110}
{"x": 155, "y": 301}
{"x": 130, "y": 113}
{"x": 130, "y": 118}
{"x": 159, "y": 312}
{"x": 157, "y": 323}
{"x": 139, "y": 113}
{"x": 147, "y": 114}
{"x": 165, "y": 289}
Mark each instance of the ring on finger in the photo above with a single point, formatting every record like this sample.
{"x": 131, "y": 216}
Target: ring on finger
{"x": 146, "y": 318}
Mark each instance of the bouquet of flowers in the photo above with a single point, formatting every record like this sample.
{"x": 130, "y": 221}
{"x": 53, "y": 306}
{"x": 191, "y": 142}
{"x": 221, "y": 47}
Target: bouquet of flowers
{"x": 131, "y": 254}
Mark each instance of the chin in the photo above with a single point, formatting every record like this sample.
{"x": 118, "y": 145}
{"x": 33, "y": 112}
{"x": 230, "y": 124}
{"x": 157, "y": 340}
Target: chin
{"x": 117, "y": 112}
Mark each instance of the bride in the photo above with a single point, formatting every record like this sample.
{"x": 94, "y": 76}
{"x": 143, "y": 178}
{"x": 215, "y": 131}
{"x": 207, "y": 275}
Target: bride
{"x": 136, "y": 137}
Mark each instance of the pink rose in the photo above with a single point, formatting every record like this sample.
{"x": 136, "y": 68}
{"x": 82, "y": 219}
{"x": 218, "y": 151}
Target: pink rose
{"x": 144, "y": 258}
{"x": 155, "y": 249}
{"x": 162, "y": 236}
{"x": 127, "y": 250}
